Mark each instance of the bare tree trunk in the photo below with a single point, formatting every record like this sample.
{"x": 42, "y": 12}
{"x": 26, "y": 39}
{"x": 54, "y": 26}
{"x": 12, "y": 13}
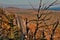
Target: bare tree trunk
{"x": 53, "y": 31}
{"x": 20, "y": 25}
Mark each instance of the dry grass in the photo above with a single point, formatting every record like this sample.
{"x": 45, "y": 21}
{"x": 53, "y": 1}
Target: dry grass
{"x": 30, "y": 15}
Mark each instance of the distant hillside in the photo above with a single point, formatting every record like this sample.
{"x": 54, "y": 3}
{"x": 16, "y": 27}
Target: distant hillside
{"x": 55, "y": 8}
{"x": 27, "y": 6}
{"x": 18, "y": 10}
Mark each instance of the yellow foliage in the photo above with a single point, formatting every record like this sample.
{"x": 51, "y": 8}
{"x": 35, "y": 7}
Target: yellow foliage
{"x": 5, "y": 26}
{"x": 11, "y": 34}
{"x": 6, "y": 18}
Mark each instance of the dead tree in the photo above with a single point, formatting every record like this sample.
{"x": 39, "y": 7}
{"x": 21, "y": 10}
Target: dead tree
{"x": 19, "y": 24}
{"x": 43, "y": 35}
{"x": 37, "y": 24}
{"x": 38, "y": 17}
{"x": 44, "y": 8}
{"x": 55, "y": 25}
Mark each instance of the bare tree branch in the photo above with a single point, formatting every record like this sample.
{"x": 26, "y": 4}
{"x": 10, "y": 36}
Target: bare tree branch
{"x": 53, "y": 3}
{"x": 55, "y": 25}
{"x": 20, "y": 25}
{"x": 31, "y": 5}
{"x": 40, "y": 6}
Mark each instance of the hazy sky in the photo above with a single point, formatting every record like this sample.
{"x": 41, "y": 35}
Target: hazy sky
{"x": 24, "y": 2}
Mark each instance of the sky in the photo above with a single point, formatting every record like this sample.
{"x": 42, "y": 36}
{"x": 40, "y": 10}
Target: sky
{"x": 25, "y": 2}
{"x": 22, "y": 1}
